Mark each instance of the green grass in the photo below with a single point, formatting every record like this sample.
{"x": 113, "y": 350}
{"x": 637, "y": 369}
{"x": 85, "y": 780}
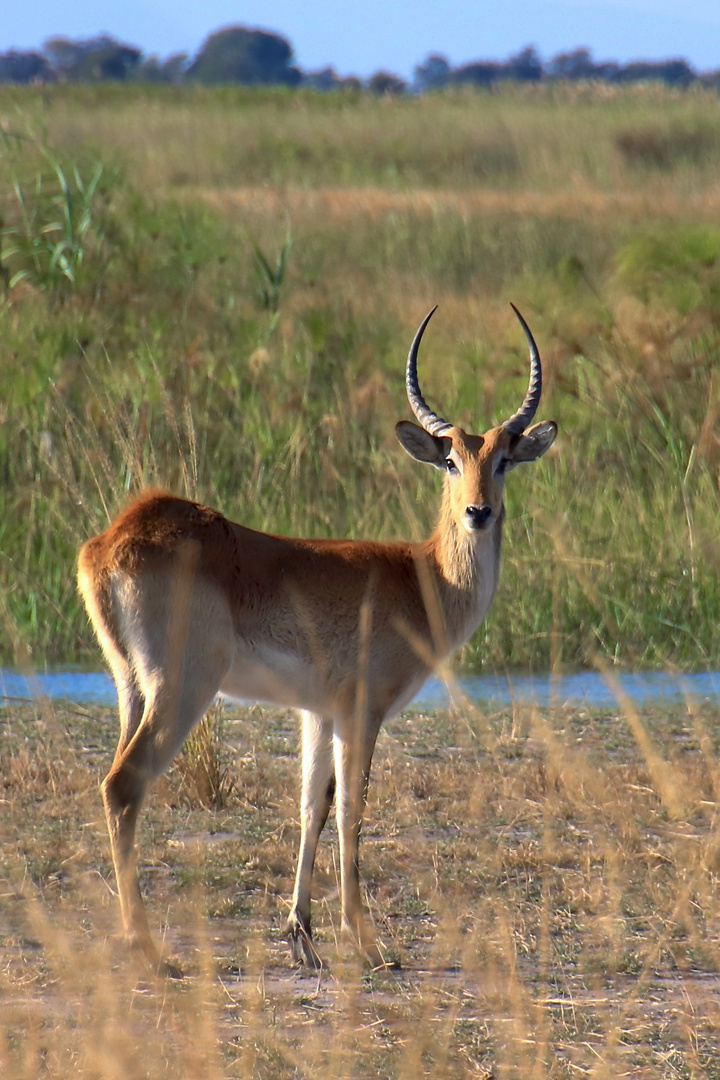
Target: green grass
{"x": 516, "y": 136}
{"x": 215, "y": 292}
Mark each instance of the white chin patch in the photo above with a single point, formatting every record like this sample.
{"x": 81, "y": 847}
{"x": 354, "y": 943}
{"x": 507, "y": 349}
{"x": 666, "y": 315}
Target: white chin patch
{"x": 475, "y": 530}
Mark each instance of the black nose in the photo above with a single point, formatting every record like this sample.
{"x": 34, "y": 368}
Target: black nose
{"x": 478, "y": 516}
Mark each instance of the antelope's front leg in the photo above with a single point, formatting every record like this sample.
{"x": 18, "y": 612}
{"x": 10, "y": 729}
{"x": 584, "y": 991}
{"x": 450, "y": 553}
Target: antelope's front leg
{"x": 318, "y": 787}
{"x": 353, "y": 754}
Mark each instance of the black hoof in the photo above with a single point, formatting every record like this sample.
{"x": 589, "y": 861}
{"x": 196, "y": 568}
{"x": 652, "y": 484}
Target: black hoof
{"x": 169, "y": 971}
{"x": 301, "y": 946}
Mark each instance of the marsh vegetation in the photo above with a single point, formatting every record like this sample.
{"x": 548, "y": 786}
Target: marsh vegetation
{"x": 214, "y": 291}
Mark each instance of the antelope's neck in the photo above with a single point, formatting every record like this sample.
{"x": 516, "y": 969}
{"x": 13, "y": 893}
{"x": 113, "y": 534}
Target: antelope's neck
{"x": 467, "y": 569}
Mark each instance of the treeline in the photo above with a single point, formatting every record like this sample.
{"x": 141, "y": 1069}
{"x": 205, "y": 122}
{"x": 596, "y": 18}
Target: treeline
{"x": 254, "y": 57}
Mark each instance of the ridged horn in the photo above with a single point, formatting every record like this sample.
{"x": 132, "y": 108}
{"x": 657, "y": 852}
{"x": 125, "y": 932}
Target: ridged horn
{"x": 522, "y": 419}
{"x": 432, "y": 423}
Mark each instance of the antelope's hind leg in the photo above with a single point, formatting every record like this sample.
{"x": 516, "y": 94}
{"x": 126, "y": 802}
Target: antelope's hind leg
{"x": 122, "y": 792}
{"x": 318, "y": 789}
{"x": 160, "y": 703}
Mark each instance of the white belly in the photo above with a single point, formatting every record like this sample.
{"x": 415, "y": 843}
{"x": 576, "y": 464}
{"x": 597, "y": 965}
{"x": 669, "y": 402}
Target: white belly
{"x": 275, "y": 678}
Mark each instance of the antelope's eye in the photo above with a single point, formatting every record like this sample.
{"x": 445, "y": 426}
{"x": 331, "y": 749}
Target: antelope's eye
{"x": 501, "y": 465}
{"x": 450, "y": 466}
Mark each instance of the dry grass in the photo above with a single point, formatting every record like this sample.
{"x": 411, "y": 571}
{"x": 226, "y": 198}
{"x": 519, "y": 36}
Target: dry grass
{"x": 548, "y": 881}
{"x": 373, "y": 204}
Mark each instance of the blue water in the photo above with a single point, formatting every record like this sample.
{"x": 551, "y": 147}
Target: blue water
{"x": 583, "y": 688}
{"x": 79, "y": 686}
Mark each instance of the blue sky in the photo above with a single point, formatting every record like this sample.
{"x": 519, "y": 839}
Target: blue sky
{"x": 359, "y": 38}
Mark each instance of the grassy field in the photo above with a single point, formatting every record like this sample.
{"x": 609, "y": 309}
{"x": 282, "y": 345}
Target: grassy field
{"x": 548, "y": 882}
{"x": 215, "y": 291}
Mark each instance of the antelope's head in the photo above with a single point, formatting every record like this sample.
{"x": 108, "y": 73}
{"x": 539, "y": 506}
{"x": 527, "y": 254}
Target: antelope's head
{"x": 475, "y": 466}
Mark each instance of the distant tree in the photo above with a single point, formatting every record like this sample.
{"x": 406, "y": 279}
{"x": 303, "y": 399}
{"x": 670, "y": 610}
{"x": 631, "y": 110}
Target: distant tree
{"x": 711, "y": 79}
{"x": 574, "y": 65}
{"x": 324, "y": 79}
{"x": 25, "y": 67}
{"x": 672, "y": 72}
{"x": 525, "y": 66}
{"x": 237, "y": 54}
{"x": 114, "y": 62}
{"x": 433, "y": 74}
{"x": 95, "y": 58}
{"x": 175, "y": 66}
{"x": 62, "y": 53}
{"x": 149, "y": 70}
{"x": 384, "y": 82}
{"x": 479, "y": 73}
{"x": 351, "y": 83}
{"x": 609, "y": 70}
{"x": 154, "y": 70}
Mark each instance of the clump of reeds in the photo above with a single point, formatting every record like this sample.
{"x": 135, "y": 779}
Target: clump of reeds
{"x": 203, "y": 768}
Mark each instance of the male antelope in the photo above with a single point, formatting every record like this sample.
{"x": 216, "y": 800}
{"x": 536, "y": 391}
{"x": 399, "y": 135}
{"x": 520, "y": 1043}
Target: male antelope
{"x": 186, "y": 604}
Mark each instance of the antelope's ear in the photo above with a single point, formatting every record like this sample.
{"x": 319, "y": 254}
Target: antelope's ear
{"x": 423, "y": 446}
{"x": 534, "y": 442}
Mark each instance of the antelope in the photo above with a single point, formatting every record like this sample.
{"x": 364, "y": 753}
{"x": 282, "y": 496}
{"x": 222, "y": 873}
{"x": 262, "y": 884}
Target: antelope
{"x": 187, "y": 604}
